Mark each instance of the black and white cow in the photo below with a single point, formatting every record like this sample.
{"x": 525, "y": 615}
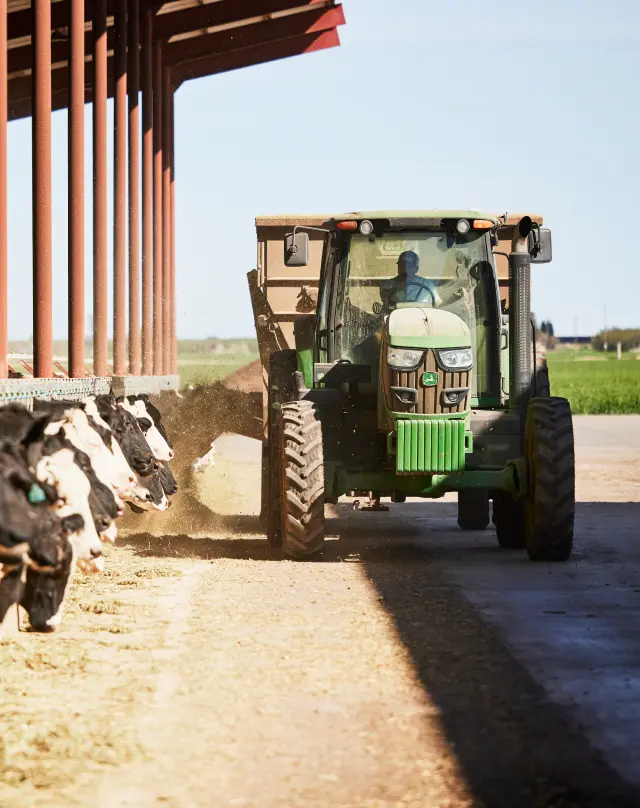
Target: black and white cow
{"x": 65, "y": 471}
{"x": 150, "y": 421}
{"x": 98, "y": 442}
{"x": 24, "y": 437}
{"x": 139, "y": 407}
{"x": 36, "y": 550}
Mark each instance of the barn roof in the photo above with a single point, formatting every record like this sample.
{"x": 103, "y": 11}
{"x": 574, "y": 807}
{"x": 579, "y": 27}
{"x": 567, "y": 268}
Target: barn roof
{"x": 201, "y": 38}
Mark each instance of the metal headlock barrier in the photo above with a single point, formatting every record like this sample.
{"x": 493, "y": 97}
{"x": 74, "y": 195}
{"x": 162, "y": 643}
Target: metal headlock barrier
{"x": 23, "y": 391}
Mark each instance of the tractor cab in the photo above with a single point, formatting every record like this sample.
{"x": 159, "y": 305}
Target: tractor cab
{"x": 397, "y": 293}
{"x": 400, "y": 288}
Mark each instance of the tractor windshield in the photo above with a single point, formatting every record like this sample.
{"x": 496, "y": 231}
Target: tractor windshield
{"x": 418, "y": 268}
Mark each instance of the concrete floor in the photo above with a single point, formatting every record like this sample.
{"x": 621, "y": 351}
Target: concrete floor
{"x": 575, "y": 627}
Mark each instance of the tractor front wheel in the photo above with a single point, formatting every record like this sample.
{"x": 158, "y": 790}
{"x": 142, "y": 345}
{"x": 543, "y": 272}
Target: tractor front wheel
{"x": 473, "y": 509}
{"x": 549, "y": 508}
{"x": 301, "y": 466}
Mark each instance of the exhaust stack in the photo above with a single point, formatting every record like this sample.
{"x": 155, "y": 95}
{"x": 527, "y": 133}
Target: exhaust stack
{"x": 520, "y": 316}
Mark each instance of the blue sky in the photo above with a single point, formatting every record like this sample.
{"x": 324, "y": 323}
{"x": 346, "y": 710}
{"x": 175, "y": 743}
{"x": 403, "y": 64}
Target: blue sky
{"x": 535, "y": 110}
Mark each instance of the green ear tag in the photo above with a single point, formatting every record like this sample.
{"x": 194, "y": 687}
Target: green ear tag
{"x": 429, "y": 379}
{"x": 36, "y": 495}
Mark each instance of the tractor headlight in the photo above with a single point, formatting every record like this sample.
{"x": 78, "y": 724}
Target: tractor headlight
{"x": 456, "y": 359}
{"x": 403, "y": 359}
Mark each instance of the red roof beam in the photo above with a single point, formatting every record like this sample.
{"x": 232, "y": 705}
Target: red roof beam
{"x": 263, "y": 33}
{"x": 246, "y": 57}
{"x": 223, "y": 12}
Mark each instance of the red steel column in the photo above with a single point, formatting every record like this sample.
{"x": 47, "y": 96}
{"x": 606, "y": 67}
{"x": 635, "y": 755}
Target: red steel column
{"x": 76, "y": 189}
{"x": 120, "y": 191}
{"x": 157, "y": 209}
{"x": 4, "y": 344}
{"x": 147, "y": 193}
{"x": 174, "y": 344}
{"x": 41, "y": 179}
{"x": 166, "y": 220}
{"x": 100, "y": 336}
{"x": 133, "y": 81}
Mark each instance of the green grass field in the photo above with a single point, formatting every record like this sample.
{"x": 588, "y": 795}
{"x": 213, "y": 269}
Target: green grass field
{"x": 212, "y": 369}
{"x": 596, "y": 383}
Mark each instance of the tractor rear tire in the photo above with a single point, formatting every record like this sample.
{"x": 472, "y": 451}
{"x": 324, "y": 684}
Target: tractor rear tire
{"x": 508, "y": 517}
{"x": 549, "y": 508}
{"x": 473, "y": 509}
{"x": 301, "y": 480}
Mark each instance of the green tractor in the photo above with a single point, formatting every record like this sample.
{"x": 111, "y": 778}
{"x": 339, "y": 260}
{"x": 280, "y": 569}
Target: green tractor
{"x": 418, "y": 375}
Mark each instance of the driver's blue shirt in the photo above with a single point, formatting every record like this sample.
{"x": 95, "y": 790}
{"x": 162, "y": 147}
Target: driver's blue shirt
{"x": 411, "y": 290}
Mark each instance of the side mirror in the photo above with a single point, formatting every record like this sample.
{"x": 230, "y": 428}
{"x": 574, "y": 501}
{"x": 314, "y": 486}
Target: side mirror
{"x": 540, "y": 247}
{"x": 296, "y": 249}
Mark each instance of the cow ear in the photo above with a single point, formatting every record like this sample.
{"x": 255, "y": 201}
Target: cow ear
{"x": 36, "y": 431}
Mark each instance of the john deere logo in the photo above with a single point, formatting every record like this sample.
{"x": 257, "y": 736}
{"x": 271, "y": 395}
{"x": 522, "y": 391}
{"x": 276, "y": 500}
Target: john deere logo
{"x": 429, "y": 379}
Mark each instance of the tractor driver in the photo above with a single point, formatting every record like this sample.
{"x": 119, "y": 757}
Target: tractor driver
{"x": 408, "y": 286}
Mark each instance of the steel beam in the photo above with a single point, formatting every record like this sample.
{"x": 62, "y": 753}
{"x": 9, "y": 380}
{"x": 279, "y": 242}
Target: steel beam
{"x": 76, "y": 189}
{"x": 41, "y": 180}
{"x": 308, "y": 43}
{"x": 157, "y": 208}
{"x": 100, "y": 337}
{"x": 147, "y": 193}
{"x": 120, "y": 192}
{"x": 133, "y": 86}
{"x": 4, "y": 291}
{"x": 223, "y": 12}
{"x": 263, "y": 33}
{"x": 167, "y": 92}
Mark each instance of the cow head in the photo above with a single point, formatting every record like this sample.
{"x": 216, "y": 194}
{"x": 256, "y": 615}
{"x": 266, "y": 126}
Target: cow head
{"x": 167, "y": 480}
{"x": 157, "y": 443}
{"x": 49, "y": 577}
{"x": 60, "y": 470}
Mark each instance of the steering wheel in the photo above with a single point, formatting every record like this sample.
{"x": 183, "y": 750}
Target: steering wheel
{"x": 419, "y": 284}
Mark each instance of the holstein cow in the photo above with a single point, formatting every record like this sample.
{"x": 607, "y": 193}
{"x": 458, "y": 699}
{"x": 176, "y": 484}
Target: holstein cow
{"x": 23, "y": 436}
{"x": 149, "y": 421}
{"x": 167, "y": 480}
{"x": 35, "y": 548}
{"x": 94, "y": 440}
{"x": 102, "y": 500}
{"x": 139, "y": 407}
{"x": 154, "y": 413}
{"x": 136, "y": 451}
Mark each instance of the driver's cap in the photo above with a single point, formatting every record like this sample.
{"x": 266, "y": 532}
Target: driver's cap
{"x": 408, "y": 258}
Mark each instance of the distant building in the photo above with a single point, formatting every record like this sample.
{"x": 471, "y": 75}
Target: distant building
{"x": 573, "y": 340}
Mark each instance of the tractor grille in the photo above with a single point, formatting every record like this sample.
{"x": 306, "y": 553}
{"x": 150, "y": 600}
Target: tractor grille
{"x": 430, "y": 399}
{"x": 436, "y": 445}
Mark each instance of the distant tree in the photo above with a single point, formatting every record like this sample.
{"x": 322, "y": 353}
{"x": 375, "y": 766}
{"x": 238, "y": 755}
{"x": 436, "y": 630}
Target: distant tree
{"x": 629, "y": 337}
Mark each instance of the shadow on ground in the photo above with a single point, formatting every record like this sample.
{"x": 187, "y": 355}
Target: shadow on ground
{"x": 516, "y": 749}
